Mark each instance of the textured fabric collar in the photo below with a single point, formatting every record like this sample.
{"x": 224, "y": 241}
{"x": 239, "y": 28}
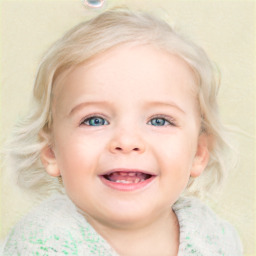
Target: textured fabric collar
{"x": 57, "y": 228}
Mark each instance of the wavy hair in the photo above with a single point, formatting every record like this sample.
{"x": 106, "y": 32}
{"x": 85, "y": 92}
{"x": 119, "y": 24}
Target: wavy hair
{"x": 85, "y": 41}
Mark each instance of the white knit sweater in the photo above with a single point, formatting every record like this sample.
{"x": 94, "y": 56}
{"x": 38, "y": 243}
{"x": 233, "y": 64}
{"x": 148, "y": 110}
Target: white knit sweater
{"x": 56, "y": 228}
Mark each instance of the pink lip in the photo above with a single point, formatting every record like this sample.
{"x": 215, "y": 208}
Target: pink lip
{"x": 127, "y": 186}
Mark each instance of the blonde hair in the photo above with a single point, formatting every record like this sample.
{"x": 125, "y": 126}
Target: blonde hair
{"x": 86, "y": 40}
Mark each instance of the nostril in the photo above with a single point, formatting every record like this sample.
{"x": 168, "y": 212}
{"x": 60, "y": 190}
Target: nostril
{"x": 120, "y": 149}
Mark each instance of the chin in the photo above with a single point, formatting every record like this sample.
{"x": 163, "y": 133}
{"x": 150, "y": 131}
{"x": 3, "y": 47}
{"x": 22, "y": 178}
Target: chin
{"x": 127, "y": 217}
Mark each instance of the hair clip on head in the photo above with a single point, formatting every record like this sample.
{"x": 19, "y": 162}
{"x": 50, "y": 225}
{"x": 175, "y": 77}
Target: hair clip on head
{"x": 93, "y": 3}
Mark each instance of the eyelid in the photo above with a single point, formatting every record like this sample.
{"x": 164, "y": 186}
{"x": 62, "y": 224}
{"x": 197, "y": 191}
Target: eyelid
{"x": 168, "y": 118}
{"x": 93, "y": 115}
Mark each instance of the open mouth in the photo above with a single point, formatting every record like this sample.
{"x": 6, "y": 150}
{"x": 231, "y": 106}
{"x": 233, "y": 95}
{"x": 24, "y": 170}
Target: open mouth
{"x": 132, "y": 177}
{"x": 123, "y": 179}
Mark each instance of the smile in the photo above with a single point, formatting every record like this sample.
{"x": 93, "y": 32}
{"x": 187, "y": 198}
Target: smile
{"x": 127, "y": 180}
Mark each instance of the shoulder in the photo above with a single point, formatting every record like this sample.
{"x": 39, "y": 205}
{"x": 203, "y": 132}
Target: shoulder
{"x": 55, "y": 227}
{"x": 202, "y": 232}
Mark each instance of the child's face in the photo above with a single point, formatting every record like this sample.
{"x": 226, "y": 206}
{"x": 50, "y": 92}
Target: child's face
{"x": 129, "y": 114}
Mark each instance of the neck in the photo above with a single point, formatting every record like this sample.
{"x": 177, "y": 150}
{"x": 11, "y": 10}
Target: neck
{"x": 160, "y": 237}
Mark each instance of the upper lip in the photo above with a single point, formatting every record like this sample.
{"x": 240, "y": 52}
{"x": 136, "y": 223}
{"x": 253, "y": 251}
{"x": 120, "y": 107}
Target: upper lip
{"x": 127, "y": 170}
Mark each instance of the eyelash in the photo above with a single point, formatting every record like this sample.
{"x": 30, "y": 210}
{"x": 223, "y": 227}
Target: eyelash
{"x": 93, "y": 116}
{"x": 170, "y": 121}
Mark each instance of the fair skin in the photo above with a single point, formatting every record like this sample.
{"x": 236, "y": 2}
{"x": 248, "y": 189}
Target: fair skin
{"x": 130, "y": 110}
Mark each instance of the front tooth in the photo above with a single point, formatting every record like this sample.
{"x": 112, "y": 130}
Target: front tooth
{"x": 122, "y": 174}
{"x": 127, "y": 181}
{"x": 122, "y": 181}
{"x": 132, "y": 174}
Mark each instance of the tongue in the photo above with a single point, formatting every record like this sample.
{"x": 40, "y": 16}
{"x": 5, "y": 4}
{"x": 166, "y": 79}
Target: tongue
{"x": 133, "y": 177}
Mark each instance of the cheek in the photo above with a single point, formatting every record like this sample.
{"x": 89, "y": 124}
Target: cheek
{"x": 176, "y": 154}
{"x": 77, "y": 152}
{"x": 76, "y": 162}
{"x": 175, "y": 167}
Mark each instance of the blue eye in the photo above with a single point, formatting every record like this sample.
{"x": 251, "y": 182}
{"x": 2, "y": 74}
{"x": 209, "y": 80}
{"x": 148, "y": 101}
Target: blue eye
{"x": 93, "y": 3}
{"x": 95, "y": 121}
{"x": 159, "y": 122}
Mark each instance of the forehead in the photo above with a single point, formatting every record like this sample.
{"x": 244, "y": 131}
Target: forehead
{"x": 141, "y": 69}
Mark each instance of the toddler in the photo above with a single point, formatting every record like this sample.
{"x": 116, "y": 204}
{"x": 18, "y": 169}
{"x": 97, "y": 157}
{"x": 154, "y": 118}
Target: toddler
{"x": 125, "y": 125}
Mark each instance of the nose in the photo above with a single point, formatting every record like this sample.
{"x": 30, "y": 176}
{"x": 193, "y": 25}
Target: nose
{"x": 126, "y": 142}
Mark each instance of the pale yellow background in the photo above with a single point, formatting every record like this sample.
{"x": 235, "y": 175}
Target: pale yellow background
{"x": 225, "y": 29}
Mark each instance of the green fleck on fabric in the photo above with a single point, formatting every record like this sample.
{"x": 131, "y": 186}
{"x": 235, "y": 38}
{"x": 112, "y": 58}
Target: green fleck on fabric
{"x": 56, "y": 237}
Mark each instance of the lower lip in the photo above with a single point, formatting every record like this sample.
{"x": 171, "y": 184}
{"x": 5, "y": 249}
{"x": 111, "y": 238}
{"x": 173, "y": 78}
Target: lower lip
{"x": 125, "y": 186}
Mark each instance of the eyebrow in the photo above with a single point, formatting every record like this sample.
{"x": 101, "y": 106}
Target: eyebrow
{"x": 167, "y": 104}
{"x": 105, "y": 103}
{"x": 87, "y": 103}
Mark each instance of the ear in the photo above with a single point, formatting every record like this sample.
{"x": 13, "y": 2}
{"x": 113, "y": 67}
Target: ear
{"x": 48, "y": 159}
{"x": 202, "y": 156}
{"x": 47, "y": 156}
